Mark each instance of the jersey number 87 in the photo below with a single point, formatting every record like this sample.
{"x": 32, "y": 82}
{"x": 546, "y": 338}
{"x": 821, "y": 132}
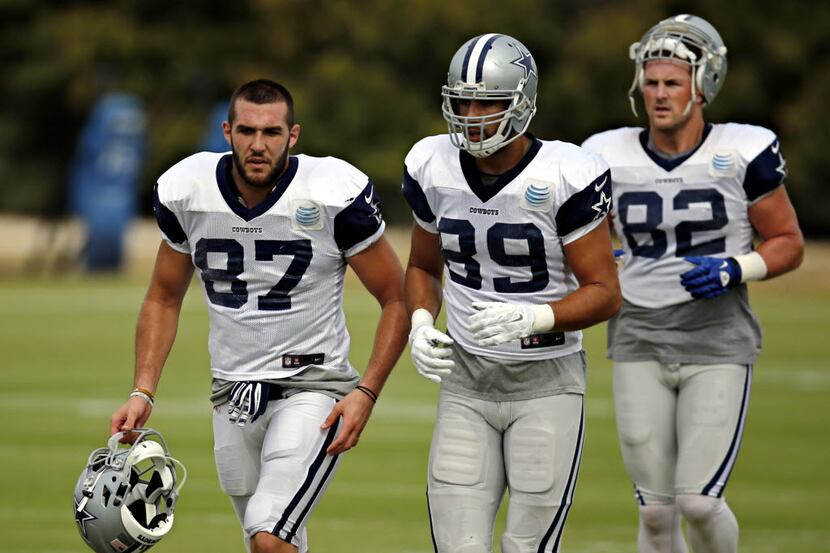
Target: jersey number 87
{"x": 277, "y": 299}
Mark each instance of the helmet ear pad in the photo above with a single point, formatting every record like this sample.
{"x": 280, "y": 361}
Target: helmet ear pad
{"x": 697, "y": 74}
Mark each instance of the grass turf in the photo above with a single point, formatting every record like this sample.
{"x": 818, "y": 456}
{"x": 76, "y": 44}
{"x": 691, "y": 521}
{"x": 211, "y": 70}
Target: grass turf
{"x": 66, "y": 362}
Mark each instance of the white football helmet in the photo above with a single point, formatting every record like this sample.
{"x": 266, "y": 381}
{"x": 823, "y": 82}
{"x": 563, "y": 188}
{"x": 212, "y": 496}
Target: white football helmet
{"x": 488, "y": 68}
{"x": 687, "y": 39}
{"x": 125, "y": 496}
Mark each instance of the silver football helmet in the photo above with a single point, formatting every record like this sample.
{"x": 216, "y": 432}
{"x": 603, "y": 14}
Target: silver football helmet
{"x": 490, "y": 67}
{"x": 125, "y": 496}
{"x": 688, "y": 39}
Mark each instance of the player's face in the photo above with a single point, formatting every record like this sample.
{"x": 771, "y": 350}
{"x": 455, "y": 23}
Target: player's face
{"x": 260, "y": 139}
{"x": 478, "y": 108}
{"x": 667, "y": 89}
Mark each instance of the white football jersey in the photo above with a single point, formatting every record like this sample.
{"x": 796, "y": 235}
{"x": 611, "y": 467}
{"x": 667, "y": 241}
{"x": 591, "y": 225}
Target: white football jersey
{"x": 693, "y": 206}
{"x": 503, "y": 241}
{"x": 273, "y": 274}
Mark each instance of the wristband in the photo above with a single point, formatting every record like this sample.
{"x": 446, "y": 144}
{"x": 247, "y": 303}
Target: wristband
{"x": 753, "y": 266}
{"x": 369, "y": 392}
{"x": 144, "y": 396}
{"x": 543, "y": 318}
{"x": 421, "y": 317}
{"x": 145, "y": 391}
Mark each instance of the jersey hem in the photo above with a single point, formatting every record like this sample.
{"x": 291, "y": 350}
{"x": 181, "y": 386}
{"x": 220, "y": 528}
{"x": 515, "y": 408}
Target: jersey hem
{"x": 540, "y": 356}
{"x": 682, "y": 360}
{"x": 519, "y": 396}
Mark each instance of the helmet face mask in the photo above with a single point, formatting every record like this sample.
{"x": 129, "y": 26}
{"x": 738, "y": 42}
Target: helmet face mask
{"x": 686, "y": 39}
{"x": 125, "y": 496}
{"x": 489, "y": 68}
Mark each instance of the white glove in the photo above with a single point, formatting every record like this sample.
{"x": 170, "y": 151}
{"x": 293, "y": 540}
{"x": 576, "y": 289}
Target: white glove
{"x": 500, "y": 322}
{"x": 247, "y": 401}
{"x": 429, "y": 347}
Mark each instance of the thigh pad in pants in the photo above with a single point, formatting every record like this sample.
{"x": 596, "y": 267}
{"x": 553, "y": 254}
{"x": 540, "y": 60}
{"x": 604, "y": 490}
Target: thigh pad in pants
{"x": 293, "y": 469}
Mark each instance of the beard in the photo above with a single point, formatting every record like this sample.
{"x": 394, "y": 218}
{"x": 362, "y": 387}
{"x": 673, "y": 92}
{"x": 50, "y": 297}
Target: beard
{"x": 267, "y": 181}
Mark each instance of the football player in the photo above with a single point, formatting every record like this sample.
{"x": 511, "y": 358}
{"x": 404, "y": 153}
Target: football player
{"x": 519, "y": 226}
{"x": 270, "y": 235}
{"x": 688, "y": 196}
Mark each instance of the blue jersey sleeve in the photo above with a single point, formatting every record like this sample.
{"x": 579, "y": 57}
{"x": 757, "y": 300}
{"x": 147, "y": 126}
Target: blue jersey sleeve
{"x": 586, "y": 206}
{"x": 766, "y": 172}
{"x": 359, "y": 220}
{"x": 416, "y": 198}
{"x": 167, "y": 221}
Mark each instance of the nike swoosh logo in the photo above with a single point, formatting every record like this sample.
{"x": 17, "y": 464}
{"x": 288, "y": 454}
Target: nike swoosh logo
{"x": 598, "y": 187}
{"x": 775, "y": 147}
{"x": 369, "y": 198}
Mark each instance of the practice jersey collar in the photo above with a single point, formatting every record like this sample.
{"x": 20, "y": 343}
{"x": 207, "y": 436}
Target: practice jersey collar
{"x": 671, "y": 164}
{"x": 231, "y": 194}
{"x": 473, "y": 176}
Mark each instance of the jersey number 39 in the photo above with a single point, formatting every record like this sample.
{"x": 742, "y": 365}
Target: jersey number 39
{"x": 497, "y": 234}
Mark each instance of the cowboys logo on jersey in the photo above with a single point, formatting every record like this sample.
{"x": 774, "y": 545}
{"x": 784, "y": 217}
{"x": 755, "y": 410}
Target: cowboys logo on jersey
{"x": 695, "y": 205}
{"x": 276, "y": 270}
{"x": 502, "y": 241}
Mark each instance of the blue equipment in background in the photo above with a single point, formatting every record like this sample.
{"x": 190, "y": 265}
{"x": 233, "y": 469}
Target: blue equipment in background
{"x": 104, "y": 178}
{"x": 213, "y": 140}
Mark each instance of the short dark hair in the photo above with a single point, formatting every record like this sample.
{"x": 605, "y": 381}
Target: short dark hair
{"x": 262, "y": 91}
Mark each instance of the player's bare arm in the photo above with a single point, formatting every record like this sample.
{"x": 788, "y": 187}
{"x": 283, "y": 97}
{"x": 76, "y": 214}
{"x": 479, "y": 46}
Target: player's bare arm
{"x": 774, "y": 219}
{"x": 598, "y": 297}
{"x": 381, "y": 273}
{"x": 155, "y": 333}
{"x": 428, "y": 345}
{"x": 424, "y": 271}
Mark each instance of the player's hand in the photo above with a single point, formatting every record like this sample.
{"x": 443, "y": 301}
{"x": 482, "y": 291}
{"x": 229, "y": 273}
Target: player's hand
{"x": 500, "y": 322}
{"x": 247, "y": 401}
{"x": 429, "y": 348}
{"x": 133, "y": 414}
{"x": 354, "y": 409}
{"x": 711, "y": 276}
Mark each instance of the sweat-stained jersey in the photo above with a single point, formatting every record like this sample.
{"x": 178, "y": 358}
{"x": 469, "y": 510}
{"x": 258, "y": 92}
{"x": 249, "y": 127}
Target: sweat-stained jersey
{"x": 503, "y": 241}
{"x": 693, "y": 206}
{"x": 696, "y": 205}
{"x": 273, "y": 274}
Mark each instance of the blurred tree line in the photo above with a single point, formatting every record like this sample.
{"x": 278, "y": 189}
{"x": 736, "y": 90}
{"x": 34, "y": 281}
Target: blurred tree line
{"x": 366, "y": 76}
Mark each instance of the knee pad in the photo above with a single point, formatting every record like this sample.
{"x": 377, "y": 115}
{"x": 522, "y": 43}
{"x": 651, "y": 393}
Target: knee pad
{"x": 472, "y": 548}
{"x": 699, "y": 508}
{"x": 510, "y": 544}
{"x": 657, "y": 519}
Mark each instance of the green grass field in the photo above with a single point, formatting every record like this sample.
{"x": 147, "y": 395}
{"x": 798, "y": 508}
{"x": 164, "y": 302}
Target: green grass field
{"x": 66, "y": 358}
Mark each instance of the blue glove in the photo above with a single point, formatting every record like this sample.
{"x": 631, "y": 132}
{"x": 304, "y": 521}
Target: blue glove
{"x": 711, "y": 276}
{"x": 248, "y": 401}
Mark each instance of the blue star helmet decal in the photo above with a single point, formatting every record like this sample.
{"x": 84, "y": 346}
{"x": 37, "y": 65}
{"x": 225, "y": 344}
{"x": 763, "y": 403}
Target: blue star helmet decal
{"x": 525, "y": 61}
{"x": 82, "y": 516}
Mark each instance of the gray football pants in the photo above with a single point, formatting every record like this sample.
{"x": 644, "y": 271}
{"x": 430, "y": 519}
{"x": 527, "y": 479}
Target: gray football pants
{"x": 480, "y": 448}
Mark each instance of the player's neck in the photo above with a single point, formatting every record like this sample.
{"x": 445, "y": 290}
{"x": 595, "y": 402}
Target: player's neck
{"x": 251, "y": 196}
{"x": 679, "y": 139}
{"x": 506, "y": 158}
